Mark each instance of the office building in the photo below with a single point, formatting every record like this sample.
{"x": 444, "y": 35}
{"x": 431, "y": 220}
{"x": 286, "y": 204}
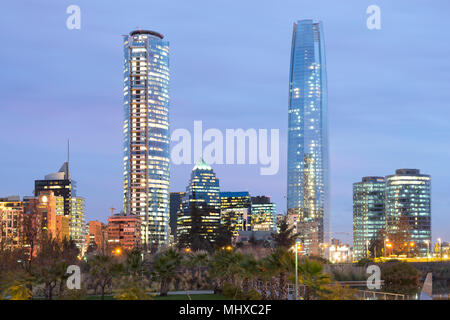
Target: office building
{"x": 307, "y": 176}
{"x": 368, "y": 214}
{"x": 124, "y": 231}
{"x": 408, "y": 195}
{"x": 263, "y": 214}
{"x": 236, "y": 211}
{"x": 201, "y": 205}
{"x": 146, "y": 134}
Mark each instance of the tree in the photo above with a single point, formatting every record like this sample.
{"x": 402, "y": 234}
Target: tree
{"x": 286, "y": 237}
{"x": 280, "y": 263}
{"x": 165, "y": 267}
{"x": 103, "y": 268}
{"x": 401, "y": 277}
{"x": 312, "y": 276}
{"x": 51, "y": 262}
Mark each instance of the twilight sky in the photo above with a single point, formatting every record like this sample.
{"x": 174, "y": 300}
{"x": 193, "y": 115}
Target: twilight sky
{"x": 388, "y": 91}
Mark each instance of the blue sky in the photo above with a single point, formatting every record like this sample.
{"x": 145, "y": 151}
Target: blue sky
{"x": 388, "y": 91}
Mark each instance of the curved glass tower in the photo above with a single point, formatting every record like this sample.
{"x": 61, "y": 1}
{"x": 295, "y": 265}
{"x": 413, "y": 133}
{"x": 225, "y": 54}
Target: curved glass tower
{"x": 146, "y": 133}
{"x": 307, "y": 189}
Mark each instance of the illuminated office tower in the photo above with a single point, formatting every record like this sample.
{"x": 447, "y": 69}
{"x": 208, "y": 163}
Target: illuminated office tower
{"x": 307, "y": 176}
{"x": 62, "y": 185}
{"x": 368, "y": 214}
{"x": 263, "y": 214}
{"x": 11, "y": 215}
{"x": 201, "y": 205}
{"x": 408, "y": 194}
{"x": 236, "y": 211}
{"x": 77, "y": 230}
{"x": 146, "y": 134}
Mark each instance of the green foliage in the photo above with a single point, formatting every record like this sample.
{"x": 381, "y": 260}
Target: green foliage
{"x": 401, "y": 277}
{"x": 132, "y": 290}
{"x": 364, "y": 262}
{"x": 286, "y": 237}
{"x": 313, "y": 277}
{"x": 165, "y": 267}
{"x": 234, "y": 292}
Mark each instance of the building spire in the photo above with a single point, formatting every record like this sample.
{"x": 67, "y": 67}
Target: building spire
{"x": 68, "y": 157}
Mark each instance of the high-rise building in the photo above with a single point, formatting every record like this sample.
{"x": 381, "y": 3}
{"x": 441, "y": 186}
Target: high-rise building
{"x": 68, "y": 204}
{"x": 307, "y": 187}
{"x": 77, "y": 230}
{"x": 236, "y": 211}
{"x": 146, "y": 134}
{"x": 368, "y": 214}
{"x": 96, "y": 236}
{"x": 61, "y": 184}
{"x": 408, "y": 195}
{"x": 201, "y": 204}
{"x": 124, "y": 231}
{"x": 263, "y": 214}
{"x": 11, "y": 215}
{"x": 176, "y": 207}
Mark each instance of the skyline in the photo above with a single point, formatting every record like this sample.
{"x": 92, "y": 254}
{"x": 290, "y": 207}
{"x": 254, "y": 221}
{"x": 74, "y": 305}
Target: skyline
{"x": 95, "y": 132}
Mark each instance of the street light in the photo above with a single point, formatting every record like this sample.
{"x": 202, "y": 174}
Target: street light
{"x": 298, "y": 248}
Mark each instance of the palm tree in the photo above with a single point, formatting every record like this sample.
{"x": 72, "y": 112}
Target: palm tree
{"x": 247, "y": 272}
{"x": 103, "y": 268}
{"x": 224, "y": 267}
{"x": 313, "y": 277}
{"x": 280, "y": 263}
{"x": 165, "y": 268}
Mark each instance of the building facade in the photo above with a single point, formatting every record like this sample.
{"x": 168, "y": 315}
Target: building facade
{"x": 201, "y": 204}
{"x": 146, "y": 134}
{"x": 11, "y": 215}
{"x": 368, "y": 214}
{"x": 236, "y": 211}
{"x": 176, "y": 207}
{"x": 308, "y": 182}
{"x": 408, "y": 195}
{"x": 263, "y": 214}
{"x": 62, "y": 185}
{"x": 124, "y": 231}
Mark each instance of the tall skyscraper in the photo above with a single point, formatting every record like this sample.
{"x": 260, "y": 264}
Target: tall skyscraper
{"x": 408, "y": 195}
{"x": 263, "y": 214}
{"x": 236, "y": 211}
{"x": 146, "y": 134}
{"x": 307, "y": 187}
{"x": 368, "y": 213}
{"x": 201, "y": 204}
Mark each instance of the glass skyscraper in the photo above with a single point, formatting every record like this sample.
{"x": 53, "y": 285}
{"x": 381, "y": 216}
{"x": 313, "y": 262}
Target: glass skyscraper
{"x": 146, "y": 134}
{"x": 307, "y": 179}
{"x": 408, "y": 194}
{"x": 368, "y": 214}
{"x": 203, "y": 196}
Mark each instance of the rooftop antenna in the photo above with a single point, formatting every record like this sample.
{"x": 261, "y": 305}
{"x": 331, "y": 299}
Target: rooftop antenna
{"x": 68, "y": 157}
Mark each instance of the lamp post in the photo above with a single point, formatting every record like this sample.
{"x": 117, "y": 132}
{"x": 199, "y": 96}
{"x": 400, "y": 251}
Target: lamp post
{"x": 298, "y": 247}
